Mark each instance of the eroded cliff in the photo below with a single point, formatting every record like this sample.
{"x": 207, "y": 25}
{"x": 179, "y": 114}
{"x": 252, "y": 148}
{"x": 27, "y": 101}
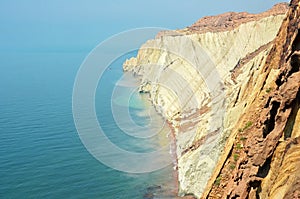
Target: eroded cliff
{"x": 267, "y": 163}
{"x": 231, "y": 94}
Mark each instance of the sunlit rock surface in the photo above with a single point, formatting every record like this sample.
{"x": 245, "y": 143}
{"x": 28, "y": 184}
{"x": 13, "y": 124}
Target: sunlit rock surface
{"x": 202, "y": 79}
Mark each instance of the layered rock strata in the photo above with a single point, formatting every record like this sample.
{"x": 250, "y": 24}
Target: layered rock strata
{"x": 267, "y": 161}
{"x": 205, "y": 80}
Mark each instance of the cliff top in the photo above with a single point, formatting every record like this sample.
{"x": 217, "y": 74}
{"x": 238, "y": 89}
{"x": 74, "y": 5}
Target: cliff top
{"x": 226, "y": 21}
{"x": 231, "y": 20}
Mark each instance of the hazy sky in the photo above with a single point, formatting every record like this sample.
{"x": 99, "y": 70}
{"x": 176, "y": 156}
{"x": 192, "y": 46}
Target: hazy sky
{"x": 55, "y": 25}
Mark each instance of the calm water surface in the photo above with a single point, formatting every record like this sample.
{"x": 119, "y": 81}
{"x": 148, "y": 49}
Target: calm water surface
{"x": 41, "y": 155}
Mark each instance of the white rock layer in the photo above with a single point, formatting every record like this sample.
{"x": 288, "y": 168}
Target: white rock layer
{"x": 190, "y": 83}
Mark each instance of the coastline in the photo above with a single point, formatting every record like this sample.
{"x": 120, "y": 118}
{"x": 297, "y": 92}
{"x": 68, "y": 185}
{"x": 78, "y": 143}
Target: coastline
{"x": 199, "y": 133}
{"x": 173, "y": 142}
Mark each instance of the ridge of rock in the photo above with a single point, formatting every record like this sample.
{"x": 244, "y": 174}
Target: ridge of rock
{"x": 210, "y": 122}
{"x": 267, "y": 166}
{"x": 225, "y": 22}
{"x": 231, "y": 20}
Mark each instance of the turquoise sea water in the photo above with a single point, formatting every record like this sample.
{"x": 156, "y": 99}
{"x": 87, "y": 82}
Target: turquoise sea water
{"x": 41, "y": 155}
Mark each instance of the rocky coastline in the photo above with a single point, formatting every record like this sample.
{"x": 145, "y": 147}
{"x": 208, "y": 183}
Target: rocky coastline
{"x": 234, "y": 153}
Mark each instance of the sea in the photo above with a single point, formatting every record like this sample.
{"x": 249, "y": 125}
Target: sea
{"x": 41, "y": 154}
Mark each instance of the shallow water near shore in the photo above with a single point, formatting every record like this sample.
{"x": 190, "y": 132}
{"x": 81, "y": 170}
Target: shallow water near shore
{"x": 41, "y": 154}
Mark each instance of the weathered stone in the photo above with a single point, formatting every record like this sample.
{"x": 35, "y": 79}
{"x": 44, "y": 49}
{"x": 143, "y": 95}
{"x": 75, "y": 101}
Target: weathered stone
{"x": 257, "y": 133}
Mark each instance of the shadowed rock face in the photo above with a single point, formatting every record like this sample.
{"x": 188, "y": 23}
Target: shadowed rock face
{"x": 295, "y": 61}
{"x": 258, "y": 133}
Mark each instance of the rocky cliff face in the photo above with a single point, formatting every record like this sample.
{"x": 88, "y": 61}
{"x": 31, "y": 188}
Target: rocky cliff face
{"x": 230, "y": 92}
{"x": 268, "y": 156}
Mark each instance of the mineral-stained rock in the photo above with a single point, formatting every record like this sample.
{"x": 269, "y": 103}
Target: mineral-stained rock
{"x": 231, "y": 94}
{"x": 272, "y": 163}
{"x": 283, "y": 179}
{"x": 232, "y": 20}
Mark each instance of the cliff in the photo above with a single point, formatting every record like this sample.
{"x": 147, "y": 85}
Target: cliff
{"x": 229, "y": 87}
{"x": 268, "y": 164}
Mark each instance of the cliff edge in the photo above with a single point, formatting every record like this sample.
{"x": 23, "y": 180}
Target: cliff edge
{"x": 229, "y": 87}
